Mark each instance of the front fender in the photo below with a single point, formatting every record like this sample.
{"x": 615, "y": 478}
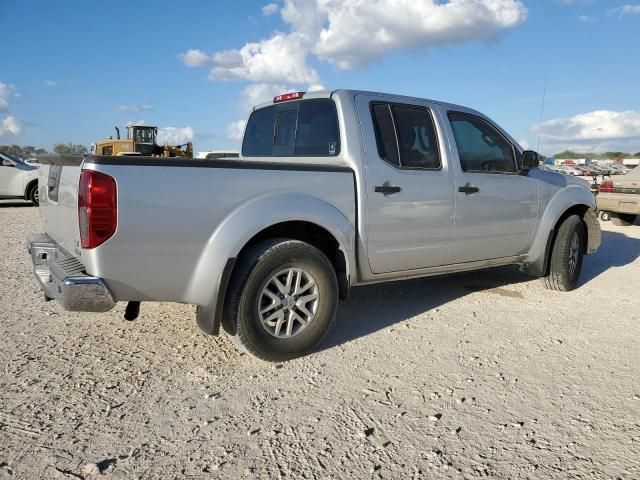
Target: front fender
{"x": 207, "y": 284}
{"x": 563, "y": 200}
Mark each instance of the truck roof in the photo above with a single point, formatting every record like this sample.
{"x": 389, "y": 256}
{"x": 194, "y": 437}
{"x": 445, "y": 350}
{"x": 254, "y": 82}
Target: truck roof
{"x": 349, "y": 92}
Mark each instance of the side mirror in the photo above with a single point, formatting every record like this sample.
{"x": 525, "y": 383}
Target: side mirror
{"x": 529, "y": 159}
{"x": 7, "y": 163}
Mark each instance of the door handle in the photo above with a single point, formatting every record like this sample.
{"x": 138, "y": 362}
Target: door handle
{"x": 468, "y": 189}
{"x": 387, "y": 189}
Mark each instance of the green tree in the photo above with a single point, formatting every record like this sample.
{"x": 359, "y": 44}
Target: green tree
{"x": 69, "y": 148}
{"x": 22, "y": 152}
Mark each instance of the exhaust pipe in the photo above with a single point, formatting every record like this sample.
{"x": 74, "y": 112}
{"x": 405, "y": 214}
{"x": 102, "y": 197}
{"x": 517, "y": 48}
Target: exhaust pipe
{"x": 117, "y": 133}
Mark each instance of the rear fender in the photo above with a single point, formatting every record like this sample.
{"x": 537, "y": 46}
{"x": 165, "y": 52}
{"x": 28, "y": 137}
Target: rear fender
{"x": 213, "y": 270}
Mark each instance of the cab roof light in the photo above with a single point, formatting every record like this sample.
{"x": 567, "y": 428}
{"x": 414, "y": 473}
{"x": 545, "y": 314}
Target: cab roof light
{"x": 285, "y": 97}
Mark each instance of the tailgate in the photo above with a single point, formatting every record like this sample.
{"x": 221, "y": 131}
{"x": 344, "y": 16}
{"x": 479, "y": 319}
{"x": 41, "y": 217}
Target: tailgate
{"x": 58, "y": 183}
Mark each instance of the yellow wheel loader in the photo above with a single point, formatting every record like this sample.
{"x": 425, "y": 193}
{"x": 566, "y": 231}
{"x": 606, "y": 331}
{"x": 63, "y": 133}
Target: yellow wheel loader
{"x": 141, "y": 140}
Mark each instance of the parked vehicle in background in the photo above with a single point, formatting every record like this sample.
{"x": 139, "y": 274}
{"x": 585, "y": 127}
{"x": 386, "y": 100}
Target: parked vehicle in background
{"x": 620, "y": 169}
{"x": 334, "y": 189}
{"x": 18, "y": 179}
{"x": 568, "y": 170}
{"x": 585, "y": 170}
{"x": 217, "y": 154}
{"x": 606, "y": 170}
{"x": 620, "y": 197}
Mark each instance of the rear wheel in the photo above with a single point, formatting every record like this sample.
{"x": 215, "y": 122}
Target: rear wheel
{"x": 623, "y": 219}
{"x": 566, "y": 256}
{"x": 282, "y": 300}
{"x": 33, "y": 195}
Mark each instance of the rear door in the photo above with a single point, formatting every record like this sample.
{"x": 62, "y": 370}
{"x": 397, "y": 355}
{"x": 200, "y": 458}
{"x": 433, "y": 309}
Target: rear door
{"x": 496, "y": 206}
{"x": 409, "y": 194}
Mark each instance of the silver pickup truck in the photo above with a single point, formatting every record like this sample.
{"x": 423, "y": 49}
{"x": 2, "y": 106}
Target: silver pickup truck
{"x": 332, "y": 190}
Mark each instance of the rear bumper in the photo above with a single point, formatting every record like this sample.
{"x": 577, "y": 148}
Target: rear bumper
{"x": 63, "y": 278}
{"x": 619, "y": 202}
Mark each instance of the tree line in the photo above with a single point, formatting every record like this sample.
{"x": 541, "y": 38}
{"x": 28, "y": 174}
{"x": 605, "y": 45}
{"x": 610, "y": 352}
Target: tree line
{"x": 29, "y": 151}
{"x": 571, "y": 155}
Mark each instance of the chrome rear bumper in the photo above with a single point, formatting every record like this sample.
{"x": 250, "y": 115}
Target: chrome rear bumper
{"x": 63, "y": 278}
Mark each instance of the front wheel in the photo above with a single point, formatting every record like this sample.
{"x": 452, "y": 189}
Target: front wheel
{"x": 282, "y": 299}
{"x": 566, "y": 256}
{"x": 33, "y": 195}
{"x": 623, "y": 219}
{"x": 605, "y": 216}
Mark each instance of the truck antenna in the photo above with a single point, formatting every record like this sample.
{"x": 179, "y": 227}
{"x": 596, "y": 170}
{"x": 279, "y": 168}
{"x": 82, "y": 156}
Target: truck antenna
{"x": 544, "y": 95}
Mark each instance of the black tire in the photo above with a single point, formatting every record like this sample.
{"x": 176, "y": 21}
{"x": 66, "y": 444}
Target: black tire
{"x": 605, "y": 216}
{"x": 255, "y": 270}
{"x": 562, "y": 276}
{"x": 32, "y": 194}
{"x": 623, "y": 219}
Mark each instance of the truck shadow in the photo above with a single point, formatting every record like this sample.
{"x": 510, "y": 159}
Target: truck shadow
{"x": 616, "y": 250}
{"x": 376, "y": 307}
{"x": 15, "y": 204}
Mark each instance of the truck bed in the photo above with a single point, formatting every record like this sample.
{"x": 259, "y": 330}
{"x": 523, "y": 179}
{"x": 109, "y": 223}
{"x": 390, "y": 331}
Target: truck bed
{"x": 170, "y": 210}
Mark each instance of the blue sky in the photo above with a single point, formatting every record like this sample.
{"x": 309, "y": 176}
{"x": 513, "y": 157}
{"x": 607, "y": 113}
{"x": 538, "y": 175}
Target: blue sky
{"x": 71, "y": 70}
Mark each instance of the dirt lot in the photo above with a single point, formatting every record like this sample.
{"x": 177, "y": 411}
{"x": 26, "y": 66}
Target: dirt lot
{"x": 482, "y": 374}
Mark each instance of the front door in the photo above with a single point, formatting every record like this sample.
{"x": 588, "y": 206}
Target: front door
{"x": 409, "y": 194}
{"x": 496, "y": 206}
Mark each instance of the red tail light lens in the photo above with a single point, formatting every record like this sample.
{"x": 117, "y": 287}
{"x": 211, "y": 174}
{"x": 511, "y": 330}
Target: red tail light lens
{"x": 97, "y": 208}
{"x": 607, "y": 186}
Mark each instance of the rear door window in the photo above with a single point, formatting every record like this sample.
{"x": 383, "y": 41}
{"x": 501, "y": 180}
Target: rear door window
{"x": 385, "y": 133}
{"x": 406, "y": 136}
{"x": 302, "y": 128}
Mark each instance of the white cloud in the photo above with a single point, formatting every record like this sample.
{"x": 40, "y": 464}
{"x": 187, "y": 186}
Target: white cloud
{"x": 269, "y": 9}
{"x": 50, "y": 83}
{"x": 597, "y": 125}
{"x": 354, "y": 33}
{"x": 281, "y": 58}
{"x": 235, "y": 130}
{"x": 175, "y": 135}
{"x": 358, "y": 33}
{"x": 626, "y": 10}
{"x": 10, "y": 126}
{"x": 134, "y": 108}
{"x": 258, "y": 93}
{"x": 7, "y": 91}
{"x": 599, "y": 130}
{"x": 524, "y": 144}
{"x": 195, "y": 58}
{"x": 586, "y": 19}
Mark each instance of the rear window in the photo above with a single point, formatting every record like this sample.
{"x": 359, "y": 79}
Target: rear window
{"x": 303, "y": 128}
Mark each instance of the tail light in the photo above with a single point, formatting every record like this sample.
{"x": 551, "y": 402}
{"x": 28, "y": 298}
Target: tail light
{"x": 607, "y": 186}
{"x": 97, "y": 208}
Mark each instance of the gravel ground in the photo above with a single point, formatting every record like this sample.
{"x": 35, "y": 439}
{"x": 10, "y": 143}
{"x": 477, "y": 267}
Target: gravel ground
{"x": 483, "y": 374}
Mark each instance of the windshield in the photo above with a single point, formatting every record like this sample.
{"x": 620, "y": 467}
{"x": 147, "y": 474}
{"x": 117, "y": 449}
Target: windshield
{"x": 13, "y": 157}
{"x": 144, "y": 135}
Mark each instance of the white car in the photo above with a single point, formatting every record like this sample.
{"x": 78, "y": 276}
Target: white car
{"x": 18, "y": 179}
{"x": 568, "y": 170}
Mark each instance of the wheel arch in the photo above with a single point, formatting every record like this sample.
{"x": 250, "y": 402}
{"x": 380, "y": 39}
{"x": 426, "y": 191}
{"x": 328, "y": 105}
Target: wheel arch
{"x": 540, "y": 266}
{"x": 295, "y": 216}
{"x": 27, "y": 189}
